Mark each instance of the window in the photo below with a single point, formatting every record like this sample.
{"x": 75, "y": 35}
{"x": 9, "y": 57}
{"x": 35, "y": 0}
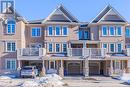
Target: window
{"x": 104, "y": 45}
{"x": 83, "y": 35}
{"x": 36, "y": 32}
{"x": 112, "y": 47}
{"x": 50, "y": 30}
{"x": 64, "y": 48}
{"x": 64, "y": 30}
{"x": 119, "y": 48}
{"x": 57, "y": 47}
{"x": 127, "y": 32}
{"x": 11, "y": 25}
{"x": 11, "y": 64}
{"x": 50, "y": 47}
{"x": 111, "y": 31}
{"x": 10, "y": 46}
{"x": 104, "y": 31}
{"x": 57, "y": 29}
{"x": 118, "y": 30}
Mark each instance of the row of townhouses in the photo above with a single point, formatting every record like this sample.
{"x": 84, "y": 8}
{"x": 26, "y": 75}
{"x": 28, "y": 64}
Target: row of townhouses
{"x": 62, "y": 44}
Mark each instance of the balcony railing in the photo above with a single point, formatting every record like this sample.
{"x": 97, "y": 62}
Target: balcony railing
{"x": 87, "y": 52}
{"x": 31, "y": 52}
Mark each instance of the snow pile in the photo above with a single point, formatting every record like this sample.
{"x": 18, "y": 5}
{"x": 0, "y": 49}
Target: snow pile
{"x": 5, "y": 78}
{"x": 125, "y": 77}
{"x": 30, "y": 84}
{"x": 53, "y": 76}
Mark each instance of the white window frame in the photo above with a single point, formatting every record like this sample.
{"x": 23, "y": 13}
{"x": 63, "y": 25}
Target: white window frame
{"x": 48, "y": 47}
{"x": 63, "y": 47}
{"x": 11, "y": 64}
{"x": 110, "y": 47}
{"x": 117, "y": 47}
{"x": 11, "y": 46}
{"x": 63, "y": 31}
{"x": 48, "y": 30}
{"x": 106, "y": 29}
{"x": 50, "y": 64}
{"x": 113, "y": 29}
{"x": 11, "y": 27}
{"x": 59, "y": 47}
{"x": 60, "y": 30}
{"x": 129, "y": 32}
{"x": 117, "y": 30}
{"x": 37, "y": 28}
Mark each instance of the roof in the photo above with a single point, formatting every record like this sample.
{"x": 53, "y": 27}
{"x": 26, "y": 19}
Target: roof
{"x": 36, "y": 21}
{"x": 108, "y": 14}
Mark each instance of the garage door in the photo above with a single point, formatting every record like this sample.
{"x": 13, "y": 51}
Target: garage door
{"x": 94, "y": 69}
{"x": 74, "y": 69}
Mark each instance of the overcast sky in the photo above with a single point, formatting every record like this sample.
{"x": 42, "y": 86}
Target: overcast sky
{"x": 83, "y": 10}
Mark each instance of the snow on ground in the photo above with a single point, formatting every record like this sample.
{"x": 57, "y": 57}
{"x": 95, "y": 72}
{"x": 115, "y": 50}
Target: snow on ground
{"x": 48, "y": 81}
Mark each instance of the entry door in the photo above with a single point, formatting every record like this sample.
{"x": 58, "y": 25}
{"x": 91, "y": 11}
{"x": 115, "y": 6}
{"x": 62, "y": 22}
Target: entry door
{"x": 51, "y": 64}
{"x": 117, "y": 67}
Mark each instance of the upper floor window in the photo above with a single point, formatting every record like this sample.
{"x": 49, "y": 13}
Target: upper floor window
{"x": 57, "y": 30}
{"x": 10, "y": 46}
{"x": 118, "y": 31}
{"x": 50, "y": 47}
{"x": 127, "y": 32}
{"x": 57, "y": 47}
{"x": 10, "y": 64}
{"x": 104, "y": 30}
{"x": 104, "y": 45}
{"x": 50, "y": 30}
{"x": 112, "y": 47}
{"x": 119, "y": 48}
{"x": 64, "y": 47}
{"x": 36, "y": 32}
{"x": 83, "y": 35}
{"x": 111, "y": 31}
{"x": 11, "y": 25}
{"x": 64, "y": 31}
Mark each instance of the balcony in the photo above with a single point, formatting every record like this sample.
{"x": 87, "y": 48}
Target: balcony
{"x": 30, "y": 52}
{"x": 91, "y": 53}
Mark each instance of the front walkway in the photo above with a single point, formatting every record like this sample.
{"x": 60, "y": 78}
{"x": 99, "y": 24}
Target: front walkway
{"x": 93, "y": 81}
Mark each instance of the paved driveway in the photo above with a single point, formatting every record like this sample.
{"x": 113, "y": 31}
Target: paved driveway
{"x": 94, "y": 81}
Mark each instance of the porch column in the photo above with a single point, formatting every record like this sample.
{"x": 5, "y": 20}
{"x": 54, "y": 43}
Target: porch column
{"x": 19, "y": 65}
{"x": 61, "y": 69}
{"x": 111, "y": 68}
{"x": 128, "y": 66}
{"x": 86, "y": 68}
{"x": 43, "y": 68}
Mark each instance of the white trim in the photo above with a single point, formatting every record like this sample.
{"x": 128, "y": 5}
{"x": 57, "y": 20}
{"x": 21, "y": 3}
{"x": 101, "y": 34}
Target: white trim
{"x": 113, "y": 29}
{"x": 59, "y": 47}
{"x": 63, "y": 47}
{"x": 67, "y": 31}
{"x": 48, "y": 30}
{"x": 11, "y": 27}
{"x": 110, "y": 47}
{"x": 117, "y": 30}
{"x": 11, "y": 46}
{"x": 52, "y": 47}
{"x": 36, "y": 28}
{"x": 106, "y": 29}
{"x": 11, "y": 63}
{"x": 50, "y": 64}
{"x": 60, "y": 30}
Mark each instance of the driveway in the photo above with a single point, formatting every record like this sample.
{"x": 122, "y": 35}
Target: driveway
{"x": 93, "y": 81}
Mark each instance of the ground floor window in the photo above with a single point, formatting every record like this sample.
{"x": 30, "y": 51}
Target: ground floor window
{"x": 11, "y": 64}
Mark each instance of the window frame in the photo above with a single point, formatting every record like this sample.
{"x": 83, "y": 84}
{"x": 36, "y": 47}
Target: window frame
{"x": 35, "y": 31}
{"x": 103, "y": 30}
{"x": 59, "y": 47}
{"x": 63, "y": 31}
{"x": 110, "y": 48}
{"x": 11, "y": 27}
{"x": 63, "y": 48}
{"x": 117, "y": 30}
{"x": 114, "y": 31}
{"x": 59, "y": 30}
{"x": 11, "y": 64}
{"x": 127, "y": 28}
{"x": 49, "y": 47}
{"x": 11, "y": 46}
{"x": 48, "y": 32}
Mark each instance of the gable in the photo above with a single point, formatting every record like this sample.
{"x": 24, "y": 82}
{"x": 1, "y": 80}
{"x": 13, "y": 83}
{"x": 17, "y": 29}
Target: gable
{"x": 109, "y": 14}
{"x": 60, "y": 14}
